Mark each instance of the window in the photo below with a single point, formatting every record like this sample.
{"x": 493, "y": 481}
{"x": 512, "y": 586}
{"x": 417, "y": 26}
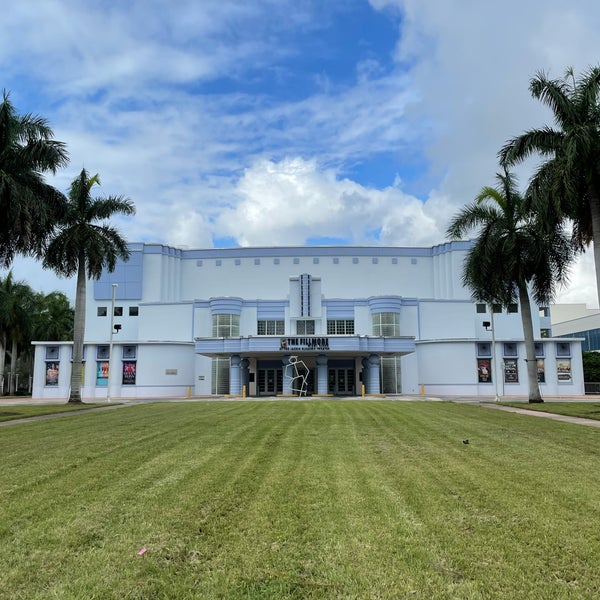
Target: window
{"x": 513, "y": 308}
{"x": 102, "y": 311}
{"x": 481, "y": 308}
{"x": 134, "y": 311}
{"x": 394, "y": 261}
{"x": 545, "y": 333}
{"x": 544, "y": 311}
{"x": 305, "y": 327}
{"x": 539, "y": 349}
{"x": 220, "y": 375}
{"x": 390, "y": 375}
{"x": 355, "y": 261}
{"x": 484, "y": 349}
{"x": 118, "y": 311}
{"x": 270, "y": 327}
{"x": 386, "y": 324}
{"x": 375, "y": 260}
{"x": 563, "y": 349}
{"x": 496, "y": 308}
{"x": 340, "y": 326}
{"x": 275, "y": 261}
{"x": 510, "y": 349}
{"x": 238, "y": 262}
{"x": 315, "y": 261}
{"x": 225, "y": 326}
{"x": 52, "y": 352}
{"x": 336, "y": 261}
{"x": 257, "y": 261}
{"x": 129, "y": 352}
{"x": 102, "y": 352}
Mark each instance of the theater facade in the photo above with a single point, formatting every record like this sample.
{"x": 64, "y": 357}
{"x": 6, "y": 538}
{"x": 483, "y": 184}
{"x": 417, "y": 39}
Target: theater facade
{"x": 284, "y": 321}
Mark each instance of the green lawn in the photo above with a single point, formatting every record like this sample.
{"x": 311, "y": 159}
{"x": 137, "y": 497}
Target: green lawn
{"x": 22, "y": 411}
{"x": 588, "y": 410}
{"x": 321, "y": 499}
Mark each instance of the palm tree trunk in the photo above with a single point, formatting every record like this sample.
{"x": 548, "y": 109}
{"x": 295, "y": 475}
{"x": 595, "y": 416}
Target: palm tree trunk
{"x": 595, "y": 215}
{"x": 532, "y": 380}
{"x": 78, "y": 334}
{"x": 13, "y": 368}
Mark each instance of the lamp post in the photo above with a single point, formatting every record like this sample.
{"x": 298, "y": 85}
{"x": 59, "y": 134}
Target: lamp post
{"x": 110, "y": 345}
{"x": 495, "y": 369}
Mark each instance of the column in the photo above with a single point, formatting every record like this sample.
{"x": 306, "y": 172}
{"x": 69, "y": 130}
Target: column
{"x": 287, "y": 376}
{"x": 245, "y": 375}
{"x": 373, "y": 386}
{"x": 322, "y": 374}
{"x": 365, "y": 372}
{"x": 235, "y": 385}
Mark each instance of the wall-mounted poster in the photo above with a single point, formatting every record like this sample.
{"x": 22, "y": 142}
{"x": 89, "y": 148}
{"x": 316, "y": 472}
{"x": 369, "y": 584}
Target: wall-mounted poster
{"x": 484, "y": 370}
{"x": 102, "y": 373}
{"x": 511, "y": 370}
{"x": 129, "y": 370}
{"x": 51, "y": 373}
{"x": 541, "y": 372}
{"x": 563, "y": 370}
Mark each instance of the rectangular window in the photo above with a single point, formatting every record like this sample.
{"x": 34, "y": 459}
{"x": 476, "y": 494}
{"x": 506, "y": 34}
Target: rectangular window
{"x": 386, "y": 324}
{"x": 102, "y": 352}
{"x": 484, "y": 349}
{"x": 225, "y": 325}
{"x": 481, "y": 308}
{"x": 305, "y": 327}
{"x": 513, "y": 308}
{"x": 270, "y": 327}
{"x": 134, "y": 311}
{"x": 129, "y": 352}
{"x": 563, "y": 349}
{"x": 118, "y": 311}
{"x": 496, "y": 308}
{"x": 539, "y": 349}
{"x": 102, "y": 311}
{"x": 340, "y": 326}
{"x": 220, "y": 375}
{"x": 544, "y": 311}
{"x": 52, "y": 352}
{"x": 545, "y": 333}
{"x": 510, "y": 349}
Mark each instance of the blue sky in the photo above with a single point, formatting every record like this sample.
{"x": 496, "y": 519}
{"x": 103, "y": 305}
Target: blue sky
{"x": 280, "y": 122}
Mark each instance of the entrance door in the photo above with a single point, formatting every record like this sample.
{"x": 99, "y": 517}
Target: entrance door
{"x": 341, "y": 382}
{"x": 270, "y": 382}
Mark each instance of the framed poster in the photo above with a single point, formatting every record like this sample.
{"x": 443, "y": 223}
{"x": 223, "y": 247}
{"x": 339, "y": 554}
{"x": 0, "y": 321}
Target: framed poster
{"x": 511, "y": 370}
{"x": 129, "y": 371}
{"x": 484, "y": 370}
{"x": 563, "y": 370}
{"x": 541, "y": 372}
{"x": 51, "y": 373}
{"x": 102, "y": 373}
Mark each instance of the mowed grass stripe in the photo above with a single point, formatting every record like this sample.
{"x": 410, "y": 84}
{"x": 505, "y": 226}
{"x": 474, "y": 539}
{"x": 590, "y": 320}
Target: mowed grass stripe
{"x": 300, "y": 500}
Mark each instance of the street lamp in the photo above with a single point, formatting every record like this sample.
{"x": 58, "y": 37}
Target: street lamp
{"x": 110, "y": 346}
{"x": 490, "y": 325}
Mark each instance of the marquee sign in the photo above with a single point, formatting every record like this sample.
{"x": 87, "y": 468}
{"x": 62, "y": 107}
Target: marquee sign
{"x": 304, "y": 343}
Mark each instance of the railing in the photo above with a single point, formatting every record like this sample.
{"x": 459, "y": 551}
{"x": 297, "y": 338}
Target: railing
{"x": 592, "y": 387}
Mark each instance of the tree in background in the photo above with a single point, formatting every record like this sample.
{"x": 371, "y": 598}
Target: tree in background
{"x": 85, "y": 244}
{"x": 29, "y": 207}
{"x": 512, "y": 253}
{"x": 567, "y": 185}
{"x": 52, "y": 319}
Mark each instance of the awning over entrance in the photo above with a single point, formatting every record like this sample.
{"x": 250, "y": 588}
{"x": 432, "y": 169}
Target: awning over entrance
{"x": 343, "y": 344}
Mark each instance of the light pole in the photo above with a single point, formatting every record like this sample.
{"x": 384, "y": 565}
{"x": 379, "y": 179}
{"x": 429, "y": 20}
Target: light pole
{"x": 495, "y": 369}
{"x": 110, "y": 345}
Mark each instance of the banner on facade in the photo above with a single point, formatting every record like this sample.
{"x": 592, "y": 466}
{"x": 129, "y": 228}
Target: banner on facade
{"x": 511, "y": 370}
{"x": 563, "y": 370}
{"x": 484, "y": 370}
{"x": 129, "y": 371}
{"x": 304, "y": 343}
{"x": 51, "y": 373}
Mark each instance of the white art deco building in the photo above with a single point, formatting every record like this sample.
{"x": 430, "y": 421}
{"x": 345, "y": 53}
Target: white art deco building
{"x": 319, "y": 320}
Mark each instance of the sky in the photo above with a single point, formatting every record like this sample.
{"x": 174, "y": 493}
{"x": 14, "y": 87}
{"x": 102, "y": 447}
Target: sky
{"x": 290, "y": 122}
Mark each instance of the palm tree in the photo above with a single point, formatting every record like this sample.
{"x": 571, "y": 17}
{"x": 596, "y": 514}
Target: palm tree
{"x": 511, "y": 254}
{"x": 52, "y": 317}
{"x": 16, "y": 303}
{"x": 29, "y": 206}
{"x": 567, "y": 184}
{"x": 85, "y": 244}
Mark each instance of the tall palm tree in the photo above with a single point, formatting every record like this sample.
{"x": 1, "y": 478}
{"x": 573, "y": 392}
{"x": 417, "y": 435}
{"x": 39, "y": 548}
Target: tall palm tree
{"x": 511, "y": 254}
{"x": 29, "y": 206}
{"x": 567, "y": 184}
{"x": 85, "y": 244}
